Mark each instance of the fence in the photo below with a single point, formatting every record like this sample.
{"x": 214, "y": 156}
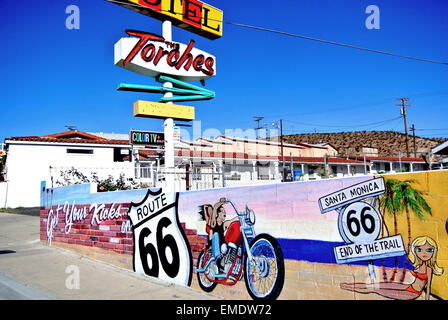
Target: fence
{"x": 209, "y": 175}
{"x": 185, "y": 178}
{"x": 204, "y": 177}
{"x": 62, "y": 176}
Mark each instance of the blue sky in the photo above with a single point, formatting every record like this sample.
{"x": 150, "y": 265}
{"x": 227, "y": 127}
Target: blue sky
{"x": 53, "y": 76}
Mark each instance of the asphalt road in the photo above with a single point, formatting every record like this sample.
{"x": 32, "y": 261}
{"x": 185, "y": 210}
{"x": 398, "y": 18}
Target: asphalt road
{"x": 31, "y": 270}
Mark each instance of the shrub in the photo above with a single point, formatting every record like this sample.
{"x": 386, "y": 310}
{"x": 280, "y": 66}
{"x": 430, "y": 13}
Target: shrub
{"x": 73, "y": 176}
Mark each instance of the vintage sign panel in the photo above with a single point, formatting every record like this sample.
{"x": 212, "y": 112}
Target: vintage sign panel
{"x": 357, "y": 192}
{"x": 192, "y": 15}
{"x": 359, "y": 222}
{"x": 148, "y": 54}
{"x": 157, "y": 110}
{"x": 161, "y": 248}
{"x": 379, "y": 249}
{"x": 147, "y": 138}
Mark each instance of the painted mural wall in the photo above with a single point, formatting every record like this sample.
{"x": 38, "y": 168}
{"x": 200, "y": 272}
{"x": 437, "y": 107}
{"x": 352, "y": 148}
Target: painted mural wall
{"x": 327, "y": 239}
{"x": 432, "y": 223}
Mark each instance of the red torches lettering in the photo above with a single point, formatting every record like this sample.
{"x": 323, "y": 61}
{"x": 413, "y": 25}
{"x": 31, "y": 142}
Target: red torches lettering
{"x": 151, "y": 53}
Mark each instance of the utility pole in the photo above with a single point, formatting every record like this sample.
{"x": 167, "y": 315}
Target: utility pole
{"x": 413, "y": 136}
{"x": 258, "y": 119}
{"x": 281, "y": 150}
{"x": 403, "y": 110}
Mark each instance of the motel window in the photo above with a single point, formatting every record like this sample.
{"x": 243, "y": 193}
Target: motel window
{"x": 312, "y": 169}
{"x": 80, "y": 151}
{"x": 120, "y": 154}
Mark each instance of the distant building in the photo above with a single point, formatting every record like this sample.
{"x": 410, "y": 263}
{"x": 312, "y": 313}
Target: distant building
{"x": 381, "y": 164}
{"x": 222, "y": 161}
{"x": 442, "y": 151}
{"x": 31, "y": 160}
{"x": 360, "y": 151}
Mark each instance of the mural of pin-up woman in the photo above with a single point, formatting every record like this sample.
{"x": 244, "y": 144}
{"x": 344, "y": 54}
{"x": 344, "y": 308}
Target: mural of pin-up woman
{"x": 423, "y": 256}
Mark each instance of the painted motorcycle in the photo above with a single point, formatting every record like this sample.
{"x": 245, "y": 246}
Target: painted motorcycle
{"x": 258, "y": 258}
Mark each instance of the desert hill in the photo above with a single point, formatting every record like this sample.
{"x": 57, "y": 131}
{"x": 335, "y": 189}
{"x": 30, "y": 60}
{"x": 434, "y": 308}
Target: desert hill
{"x": 388, "y": 143}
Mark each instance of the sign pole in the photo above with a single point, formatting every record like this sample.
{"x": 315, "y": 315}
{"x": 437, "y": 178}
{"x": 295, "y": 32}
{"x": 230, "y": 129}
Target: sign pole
{"x": 371, "y": 270}
{"x": 168, "y": 123}
{"x": 128, "y": 54}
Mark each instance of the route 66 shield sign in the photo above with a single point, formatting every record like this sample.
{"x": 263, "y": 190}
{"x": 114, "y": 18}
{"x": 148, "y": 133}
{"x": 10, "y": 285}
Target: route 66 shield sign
{"x": 161, "y": 248}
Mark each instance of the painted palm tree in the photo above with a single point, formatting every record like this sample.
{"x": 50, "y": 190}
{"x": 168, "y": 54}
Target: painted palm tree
{"x": 388, "y": 205}
{"x": 408, "y": 199}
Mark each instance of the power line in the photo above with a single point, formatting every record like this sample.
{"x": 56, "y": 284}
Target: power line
{"x": 330, "y": 129}
{"x": 344, "y": 126}
{"x": 394, "y": 125}
{"x": 296, "y": 35}
{"x": 446, "y": 129}
{"x": 356, "y": 106}
{"x": 338, "y": 43}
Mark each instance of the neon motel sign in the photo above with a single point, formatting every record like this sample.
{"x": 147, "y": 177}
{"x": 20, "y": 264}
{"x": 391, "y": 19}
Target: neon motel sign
{"x": 150, "y": 55}
{"x": 192, "y": 15}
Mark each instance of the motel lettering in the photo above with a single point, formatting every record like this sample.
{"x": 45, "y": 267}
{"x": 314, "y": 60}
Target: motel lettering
{"x": 150, "y": 52}
{"x": 192, "y": 15}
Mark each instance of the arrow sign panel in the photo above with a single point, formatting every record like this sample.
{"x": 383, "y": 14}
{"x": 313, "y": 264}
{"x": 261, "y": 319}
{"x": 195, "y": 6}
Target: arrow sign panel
{"x": 183, "y": 90}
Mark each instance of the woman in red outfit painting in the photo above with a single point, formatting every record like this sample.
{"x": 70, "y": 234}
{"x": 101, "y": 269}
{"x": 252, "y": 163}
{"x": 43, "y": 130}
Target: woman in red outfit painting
{"x": 423, "y": 256}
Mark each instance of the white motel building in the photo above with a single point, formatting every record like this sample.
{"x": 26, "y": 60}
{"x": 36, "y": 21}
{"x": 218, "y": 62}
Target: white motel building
{"x": 211, "y": 163}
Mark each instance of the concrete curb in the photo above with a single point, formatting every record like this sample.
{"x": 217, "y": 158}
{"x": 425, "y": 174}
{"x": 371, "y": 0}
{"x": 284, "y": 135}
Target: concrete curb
{"x": 13, "y": 290}
{"x": 30, "y": 211}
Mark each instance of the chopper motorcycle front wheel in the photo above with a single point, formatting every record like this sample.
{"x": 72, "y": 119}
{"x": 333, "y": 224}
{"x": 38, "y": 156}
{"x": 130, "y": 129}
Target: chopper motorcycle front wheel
{"x": 265, "y": 274}
{"x": 204, "y": 283}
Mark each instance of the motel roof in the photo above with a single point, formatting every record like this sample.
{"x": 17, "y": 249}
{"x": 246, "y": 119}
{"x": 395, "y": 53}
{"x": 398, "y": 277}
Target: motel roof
{"x": 267, "y": 142}
{"x": 69, "y": 137}
{"x": 388, "y": 159}
{"x": 79, "y": 137}
{"x": 66, "y": 140}
{"x": 246, "y": 156}
{"x": 441, "y": 149}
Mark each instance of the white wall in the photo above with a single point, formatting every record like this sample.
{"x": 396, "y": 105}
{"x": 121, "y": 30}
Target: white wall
{"x": 29, "y": 164}
{"x": 3, "y": 190}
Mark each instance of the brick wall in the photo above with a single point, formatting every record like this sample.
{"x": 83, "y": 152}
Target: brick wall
{"x": 106, "y": 235}
{"x": 197, "y": 243}
{"x": 113, "y": 235}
